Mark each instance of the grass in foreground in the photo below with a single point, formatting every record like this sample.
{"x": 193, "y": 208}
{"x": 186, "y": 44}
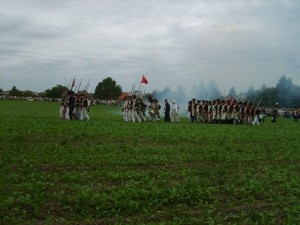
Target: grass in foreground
{"x": 106, "y": 171}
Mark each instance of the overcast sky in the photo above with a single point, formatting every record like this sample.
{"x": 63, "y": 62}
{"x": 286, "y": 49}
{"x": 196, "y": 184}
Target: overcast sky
{"x": 236, "y": 43}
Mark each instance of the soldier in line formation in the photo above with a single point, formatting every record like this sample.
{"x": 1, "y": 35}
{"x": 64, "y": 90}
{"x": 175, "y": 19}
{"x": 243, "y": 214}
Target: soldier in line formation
{"x": 171, "y": 112}
{"x": 134, "y": 110}
{"x": 223, "y": 112}
{"x": 74, "y": 106}
{"x": 296, "y": 114}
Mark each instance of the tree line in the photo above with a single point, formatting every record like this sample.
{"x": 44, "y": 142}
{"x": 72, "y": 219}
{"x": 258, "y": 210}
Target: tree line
{"x": 285, "y": 93}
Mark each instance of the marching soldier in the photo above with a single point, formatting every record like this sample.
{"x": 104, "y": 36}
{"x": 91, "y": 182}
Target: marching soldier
{"x": 274, "y": 113}
{"x": 246, "y": 113}
{"x": 229, "y": 112}
{"x": 223, "y": 112}
{"x": 78, "y": 105}
{"x": 250, "y": 113}
{"x": 84, "y": 114}
{"x": 256, "y": 113}
{"x": 209, "y": 112}
{"x": 205, "y": 112}
{"x": 167, "y": 110}
{"x": 125, "y": 109}
{"x": 129, "y": 108}
{"x": 62, "y": 108}
{"x": 71, "y": 103}
{"x": 135, "y": 114}
{"x": 193, "y": 111}
{"x": 63, "y": 104}
{"x": 219, "y": 111}
{"x": 174, "y": 112}
{"x": 154, "y": 110}
{"x": 141, "y": 109}
{"x": 235, "y": 112}
{"x": 214, "y": 111}
{"x": 295, "y": 115}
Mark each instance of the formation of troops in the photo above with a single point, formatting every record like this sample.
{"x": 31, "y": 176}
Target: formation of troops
{"x": 225, "y": 112}
{"x": 74, "y": 106}
{"x": 135, "y": 110}
{"x": 216, "y": 111}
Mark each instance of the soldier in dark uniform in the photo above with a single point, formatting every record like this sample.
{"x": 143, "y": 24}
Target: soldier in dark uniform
{"x": 72, "y": 105}
{"x": 167, "y": 110}
{"x": 219, "y": 110}
{"x": 274, "y": 113}
{"x": 205, "y": 112}
{"x": 192, "y": 110}
{"x": 295, "y": 115}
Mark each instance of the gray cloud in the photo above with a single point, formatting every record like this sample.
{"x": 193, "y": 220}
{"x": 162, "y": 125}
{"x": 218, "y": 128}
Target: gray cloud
{"x": 234, "y": 43}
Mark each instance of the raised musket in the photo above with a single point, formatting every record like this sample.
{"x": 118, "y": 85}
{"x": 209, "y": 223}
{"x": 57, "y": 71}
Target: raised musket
{"x": 259, "y": 102}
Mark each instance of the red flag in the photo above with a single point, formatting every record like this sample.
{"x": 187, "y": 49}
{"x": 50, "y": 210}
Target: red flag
{"x": 144, "y": 80}
{"x": 73, "y": 83}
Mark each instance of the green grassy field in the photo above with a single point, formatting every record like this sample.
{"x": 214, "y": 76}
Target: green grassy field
{"x": 106, "y": 171}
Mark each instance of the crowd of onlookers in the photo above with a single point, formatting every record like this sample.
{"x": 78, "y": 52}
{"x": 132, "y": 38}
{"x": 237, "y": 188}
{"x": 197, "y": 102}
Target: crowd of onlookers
{"x": 289, "y": 112}
{"x": 93, "y": 101}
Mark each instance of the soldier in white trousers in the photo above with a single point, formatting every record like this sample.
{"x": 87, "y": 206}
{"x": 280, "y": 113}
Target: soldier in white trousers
{"x": 125, "y": 109}
{"x": 256, "y": 116}
{"x": 135, "y": 115}
{"x": 174, "y": 112}
{"x": 84, "y": 115}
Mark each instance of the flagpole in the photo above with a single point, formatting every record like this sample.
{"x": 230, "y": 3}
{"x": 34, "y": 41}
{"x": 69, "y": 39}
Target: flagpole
{"x": 69, "y": 86}
{"x": 144, "y": 80}
{"x": 132, "y": 88}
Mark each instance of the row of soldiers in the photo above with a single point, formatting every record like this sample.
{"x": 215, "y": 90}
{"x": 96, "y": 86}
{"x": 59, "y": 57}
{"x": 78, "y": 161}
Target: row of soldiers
{"x": 226, "y": 112}
{"x": 134, "y": 110}
{"x": 215, "y": 111}
{"x": 74, "y": 106}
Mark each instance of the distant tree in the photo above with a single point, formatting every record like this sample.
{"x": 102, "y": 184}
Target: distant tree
{"x": 42, "y": 94}
{"x": 15, "y": 92}
{"x": 250, "y": 92}
{"x": 295, "y": 101}
{"x": 285, "y": 89}
{"x": 284, "y": 84}
{"x": 1, "y": 90}
{"x": 269, "y": 97}
{"x": 263, "y": 88}
{"x": 55, "y": 92}
{"x": 28, "y": 94}
{"x": 108, "y": 89}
